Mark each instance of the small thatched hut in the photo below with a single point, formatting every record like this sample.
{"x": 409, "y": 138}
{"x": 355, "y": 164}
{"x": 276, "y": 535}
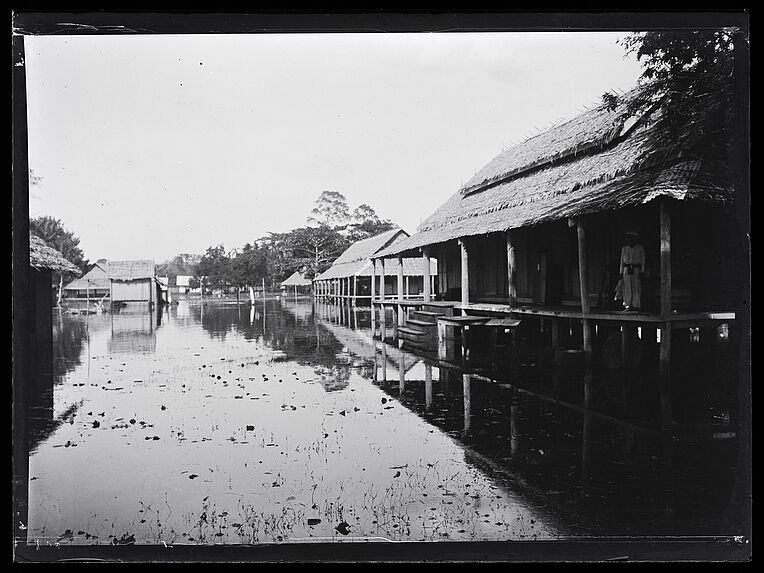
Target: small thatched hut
{"x": 93, "y": 284}
{"x": 353, "y": 274}
{"x": 297, "y": 281}
{"x": 133, "y": 282}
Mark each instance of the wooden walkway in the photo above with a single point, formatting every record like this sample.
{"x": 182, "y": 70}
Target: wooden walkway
{"x": 677, "y": 319}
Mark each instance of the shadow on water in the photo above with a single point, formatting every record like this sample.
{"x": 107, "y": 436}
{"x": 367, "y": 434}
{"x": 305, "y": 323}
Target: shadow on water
{"x": 584, "y": 456}
{"x": 591, "y": 452}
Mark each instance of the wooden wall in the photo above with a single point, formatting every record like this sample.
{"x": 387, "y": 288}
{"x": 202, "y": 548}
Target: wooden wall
{"x": 139, "y": 290}
{"x": 706, "y": 259}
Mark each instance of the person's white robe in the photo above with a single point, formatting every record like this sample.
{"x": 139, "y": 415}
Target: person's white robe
{"x": 632, "y": 282}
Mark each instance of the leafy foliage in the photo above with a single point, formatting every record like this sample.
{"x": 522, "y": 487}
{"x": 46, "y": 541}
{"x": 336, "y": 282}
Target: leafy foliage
{"x": 311, "y": 249}
{"x": 53, "y": 232}
{"x": 688, "y": 75}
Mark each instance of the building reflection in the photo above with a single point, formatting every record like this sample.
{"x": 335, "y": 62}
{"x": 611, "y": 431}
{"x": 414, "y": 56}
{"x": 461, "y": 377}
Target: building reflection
{"x": 134, "y": 332}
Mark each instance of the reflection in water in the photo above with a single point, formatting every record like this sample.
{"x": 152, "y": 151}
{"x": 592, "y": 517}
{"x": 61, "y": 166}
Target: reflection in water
{"x": 208, "y": 423}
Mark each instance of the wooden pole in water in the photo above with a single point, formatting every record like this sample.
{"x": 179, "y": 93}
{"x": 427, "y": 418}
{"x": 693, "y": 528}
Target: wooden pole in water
{"x": 582, "y": 275}
{"x": 465, "y": 272}
{"x": 511, "y": 270}
{"x": 426, "y": 275}
{"x": 664, "y": 364}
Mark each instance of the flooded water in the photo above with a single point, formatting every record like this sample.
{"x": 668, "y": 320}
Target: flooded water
{"x": 288, "y": 421}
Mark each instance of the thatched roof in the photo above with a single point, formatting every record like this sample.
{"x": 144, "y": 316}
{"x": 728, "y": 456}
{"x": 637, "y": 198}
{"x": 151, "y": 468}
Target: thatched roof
{"x": 95, "y": 278}
{"x": 578, "y": 175}
{"x": 130, "y": 270}
{"x": 43, "y": 257}
{"x": 412, "y": 266}
{"x": 296, "y": 279}
{"x": 357, "y": 255}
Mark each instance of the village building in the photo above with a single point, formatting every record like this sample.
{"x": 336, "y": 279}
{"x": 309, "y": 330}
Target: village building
{"x": 354, "y": 277}
{"x": 43, "y": 261}
{"x": 182, "y": 284}
{"x": 537, "y": 235}
{"x": 297, "y": 283}
{"x": 133, "y": 282}
{"x": 93, "y": 285}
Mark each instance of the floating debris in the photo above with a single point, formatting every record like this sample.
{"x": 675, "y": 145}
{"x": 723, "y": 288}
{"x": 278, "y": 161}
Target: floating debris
{"x": 343, "y": 528}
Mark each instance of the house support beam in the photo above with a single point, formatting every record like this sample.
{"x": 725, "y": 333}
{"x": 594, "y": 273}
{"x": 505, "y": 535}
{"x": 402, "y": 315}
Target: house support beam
{"x": 401, "y": 318}
{"x": 511, "y": 269}
{"x": 465, "y": 270}
{"x": 426, "y": 277}
{"x": 373, "y": 282}
{"x": 664, "y": 360}
{"x": 585, "y": 308}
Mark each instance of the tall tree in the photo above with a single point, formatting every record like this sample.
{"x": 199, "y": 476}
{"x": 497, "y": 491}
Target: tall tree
{"x": 366, "y": 223}
{"x": 316, "y": 247}
{"x": 213, "y": 268}
{"x": 331, "y": 209}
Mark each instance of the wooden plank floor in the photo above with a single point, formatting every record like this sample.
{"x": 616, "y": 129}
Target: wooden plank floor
{"x": 681, "y": 318}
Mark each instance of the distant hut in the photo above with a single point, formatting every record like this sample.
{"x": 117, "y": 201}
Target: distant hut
{"x": 538, "y": 231}
{"x": 183, "y": 285}
{"x": 93, "y": 285}
{"x": 353, "y": 275}
{"x": 133, "y": 282}
{"x": 297, "y": 282}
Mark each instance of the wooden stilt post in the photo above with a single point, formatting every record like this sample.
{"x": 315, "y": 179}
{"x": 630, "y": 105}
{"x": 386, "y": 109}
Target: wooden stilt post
{"x": 465, "y": 272}
{"x": 665, "y": 234}
{"x": 401, "y": 318}
{"x": 426, "y": 275}
{"x": 585, "y": 323}
{"x": 373, "y": 281}
{"x": 582, "y": 278}
{"x": 355, "y": 289}
{"x": 382, "y": 298}
{"x": 511, "y": 270}
{"x": 664, "y": 366}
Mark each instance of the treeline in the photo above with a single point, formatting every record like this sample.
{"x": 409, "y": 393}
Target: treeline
{"x": 331, "y": 228}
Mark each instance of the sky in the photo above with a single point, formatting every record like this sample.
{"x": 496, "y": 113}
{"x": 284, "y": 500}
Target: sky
{"x": 148, "y": 146}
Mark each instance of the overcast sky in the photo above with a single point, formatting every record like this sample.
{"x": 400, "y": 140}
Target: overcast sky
{"x": 150, "y": 146}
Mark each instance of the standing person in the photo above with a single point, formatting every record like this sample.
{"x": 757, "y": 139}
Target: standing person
{"x": 631, "y": 268}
